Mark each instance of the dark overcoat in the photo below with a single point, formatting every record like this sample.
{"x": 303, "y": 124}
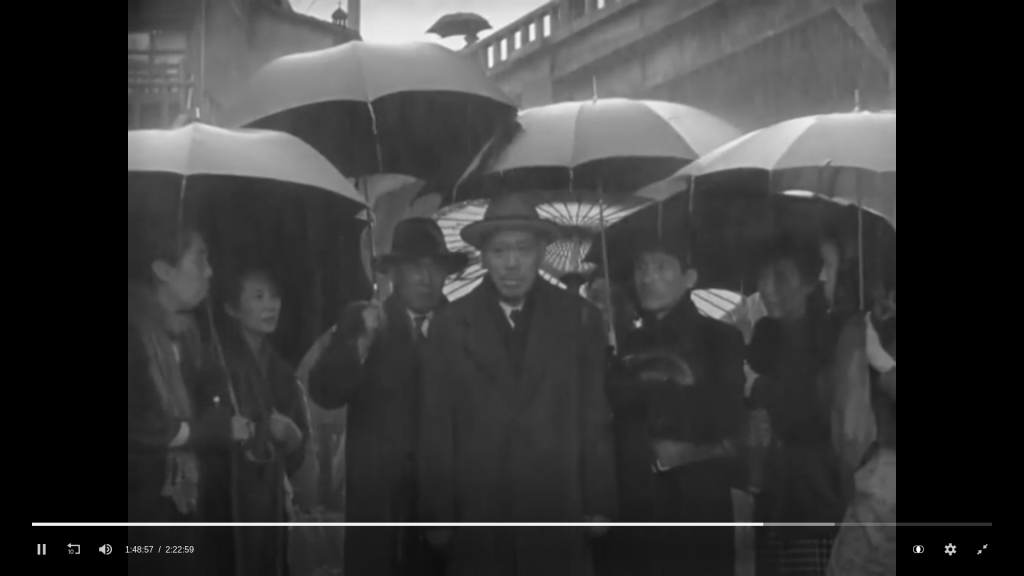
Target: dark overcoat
{"x": 495, "y": 448}
{"x": 709, "y": 412}
{"x": 381, "y": 397}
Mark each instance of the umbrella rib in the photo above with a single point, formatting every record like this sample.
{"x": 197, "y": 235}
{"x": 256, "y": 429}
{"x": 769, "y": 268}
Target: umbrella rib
{"x": 716, "y": 300}
{"x": 373, "y": 113}
{"x": 677, "y": 133}
{"x": 703, "y": 299}
{"x": 573, "y": 160}
{"x": 782, "y": 151}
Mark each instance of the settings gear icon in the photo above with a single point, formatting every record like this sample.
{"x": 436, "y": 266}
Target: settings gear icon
{"x": 950, "y": 549}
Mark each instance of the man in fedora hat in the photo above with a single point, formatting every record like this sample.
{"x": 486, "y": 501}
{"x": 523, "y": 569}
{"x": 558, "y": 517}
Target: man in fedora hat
{"x": 372, "y": 367}
{"x": 516, "y": 426}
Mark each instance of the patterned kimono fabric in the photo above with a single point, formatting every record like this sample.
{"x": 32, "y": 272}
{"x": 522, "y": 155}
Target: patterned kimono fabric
{"x": 801, "y": 475}
{"x": 868, "y": 549}
{"x": 167, "y": 349}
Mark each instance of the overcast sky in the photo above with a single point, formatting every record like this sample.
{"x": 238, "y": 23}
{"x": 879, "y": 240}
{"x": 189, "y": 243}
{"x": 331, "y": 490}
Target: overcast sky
{"x": 408, "y": 20}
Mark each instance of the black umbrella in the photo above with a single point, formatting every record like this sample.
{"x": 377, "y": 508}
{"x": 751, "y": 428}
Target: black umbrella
{"x": 460, "y": 24}
{"x": 414, "y": 109}
{"x": 736, "y": 220}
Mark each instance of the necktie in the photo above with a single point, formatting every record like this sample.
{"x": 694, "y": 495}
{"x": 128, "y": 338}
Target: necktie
{"x": 516, "y": 316}
{"x": 419, "y": 322}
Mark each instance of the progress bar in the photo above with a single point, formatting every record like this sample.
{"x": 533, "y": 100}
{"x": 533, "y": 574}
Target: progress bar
{"x": 888, "y": 525}
{"x": 548, "y": 525}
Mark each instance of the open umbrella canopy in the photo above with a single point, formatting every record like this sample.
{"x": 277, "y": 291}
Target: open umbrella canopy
{"x": 258, "y": 197}
{"x": 460, "y": 24}
{"x": 850, "y": 156}
{"x": 609, "y": 145}
{"x": 201, "y": 150}
{"x": 411, "y": 109}
{"x": 731, "y": 221}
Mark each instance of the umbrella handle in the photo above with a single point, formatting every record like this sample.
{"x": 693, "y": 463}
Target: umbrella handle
{"x": 371, "y": 220}
{"x": 219, "y": 350}
{"x": 607, "y": 273}
{"x": 860, "y": 247}
{"x": 366, "y": 192}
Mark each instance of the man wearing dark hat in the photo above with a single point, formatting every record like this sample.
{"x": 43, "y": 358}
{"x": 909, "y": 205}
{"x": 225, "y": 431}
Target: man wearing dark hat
{"x": 678, "y": 392}
{"x": 516, "y": 427}
{"x": 372, "y": 366}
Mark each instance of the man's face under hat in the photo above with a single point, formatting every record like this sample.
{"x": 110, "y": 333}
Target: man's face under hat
{"x": 513, "y": 257}
{"x": 419, "y": 264}
{"x": 419, "y": 282}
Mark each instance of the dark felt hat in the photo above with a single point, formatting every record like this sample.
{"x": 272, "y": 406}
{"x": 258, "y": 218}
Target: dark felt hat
{"x": 511, "y": 212}
{"x": 419, "y": 238}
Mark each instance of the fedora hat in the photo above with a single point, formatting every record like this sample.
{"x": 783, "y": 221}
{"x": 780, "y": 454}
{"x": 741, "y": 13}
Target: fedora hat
{"x": 511, "y": 212}
{"x": 419, "y": 238}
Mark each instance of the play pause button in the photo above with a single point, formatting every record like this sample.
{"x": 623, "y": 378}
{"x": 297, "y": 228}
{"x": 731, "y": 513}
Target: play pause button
{"x": 40, "y": 549}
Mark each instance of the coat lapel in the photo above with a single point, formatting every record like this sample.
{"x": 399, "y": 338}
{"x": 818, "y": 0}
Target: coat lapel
{"x": 550, "y": 330}
{"x": 400, "y": 325}
{"x": 485, "y": 345}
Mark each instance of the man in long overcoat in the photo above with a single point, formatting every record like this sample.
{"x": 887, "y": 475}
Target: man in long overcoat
{"x": 372, "y": 366}
{"x": 516, "y": 425}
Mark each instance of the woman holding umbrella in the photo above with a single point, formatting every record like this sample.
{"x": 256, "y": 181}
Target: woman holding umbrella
{"x": 803, "y": 474}
{"x": 181, "y": 428}
{"x": 268, "y": 394}
{"x": 173, "y": 413}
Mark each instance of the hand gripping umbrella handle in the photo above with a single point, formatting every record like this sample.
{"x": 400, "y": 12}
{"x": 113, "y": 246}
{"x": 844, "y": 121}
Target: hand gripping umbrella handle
{"x": 612, "y": 336}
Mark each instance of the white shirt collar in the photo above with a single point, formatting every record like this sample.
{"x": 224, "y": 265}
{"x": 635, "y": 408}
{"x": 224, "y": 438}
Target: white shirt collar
{"x": 508, "y": 309}
{"x": 426, "y": 323}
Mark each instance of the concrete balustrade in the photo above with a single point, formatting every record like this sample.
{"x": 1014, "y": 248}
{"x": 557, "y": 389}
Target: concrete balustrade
{"x": 553, "y": 20}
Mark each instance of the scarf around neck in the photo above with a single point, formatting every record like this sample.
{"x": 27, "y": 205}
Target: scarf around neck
{"x": 165, "y": 338}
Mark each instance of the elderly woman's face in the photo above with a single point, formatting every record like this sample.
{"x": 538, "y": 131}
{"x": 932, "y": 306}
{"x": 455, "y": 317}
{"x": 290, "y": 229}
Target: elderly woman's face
{"x": 258, "y": 310}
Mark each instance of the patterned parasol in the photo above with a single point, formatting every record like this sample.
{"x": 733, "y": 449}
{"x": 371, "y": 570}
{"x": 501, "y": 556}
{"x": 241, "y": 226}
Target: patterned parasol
{"x": 580, "y": 222}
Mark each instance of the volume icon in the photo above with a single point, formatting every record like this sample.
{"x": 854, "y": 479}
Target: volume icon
{"x": 106, "y": 550}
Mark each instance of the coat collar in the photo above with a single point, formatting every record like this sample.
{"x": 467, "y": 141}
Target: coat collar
{"x": 487, "y": 348}
{"x": 400, "y": 322}
{"x": 676, "y": 323}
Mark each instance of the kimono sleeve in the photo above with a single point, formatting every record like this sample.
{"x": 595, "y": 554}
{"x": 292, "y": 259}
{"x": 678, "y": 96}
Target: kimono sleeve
{"x": 293, "y": 404}
{"x": 150, "y": 427}
{"x": 600, "y": 487}
{"x": 435, "y": 458}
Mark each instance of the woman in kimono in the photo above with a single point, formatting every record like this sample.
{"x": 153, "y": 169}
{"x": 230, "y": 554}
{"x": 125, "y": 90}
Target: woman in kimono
{"x": 866, "y": 545}
{"x": 173, "y": 417}
{"x": 803, "y": 480}
{"x": 268, "y": 393}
